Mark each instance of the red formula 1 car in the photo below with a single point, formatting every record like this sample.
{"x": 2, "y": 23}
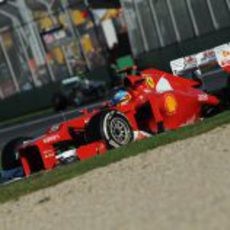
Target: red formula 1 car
{"x": 151, "y": 102}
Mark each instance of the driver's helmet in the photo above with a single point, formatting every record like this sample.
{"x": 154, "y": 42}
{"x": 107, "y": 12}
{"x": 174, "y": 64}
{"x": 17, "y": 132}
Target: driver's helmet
{"x": 122, "y": 97}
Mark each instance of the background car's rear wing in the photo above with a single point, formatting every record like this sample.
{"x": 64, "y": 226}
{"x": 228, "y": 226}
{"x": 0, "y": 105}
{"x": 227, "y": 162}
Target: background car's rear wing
{"x": 215, "y": 58}
{"x": 211, "y": 67}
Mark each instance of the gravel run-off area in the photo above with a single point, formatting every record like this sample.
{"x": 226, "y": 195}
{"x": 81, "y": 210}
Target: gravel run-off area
{"x": 184, "y": 185}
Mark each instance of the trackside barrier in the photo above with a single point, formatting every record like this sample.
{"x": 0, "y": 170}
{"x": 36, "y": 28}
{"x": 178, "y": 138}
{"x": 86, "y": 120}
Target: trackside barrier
{"x": 40, "y": 98}
{"x": 27, "y": 102}
{"x": 161, "y": 58}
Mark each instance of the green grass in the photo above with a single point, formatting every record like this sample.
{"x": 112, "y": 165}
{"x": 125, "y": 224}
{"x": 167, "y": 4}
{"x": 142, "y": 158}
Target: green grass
{"x": 46, "y": 179}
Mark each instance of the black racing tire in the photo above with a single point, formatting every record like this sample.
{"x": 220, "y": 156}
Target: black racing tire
{"x": 160, "y": 128}
{"x": 77, "y": 98}
{"x": 9, "y": 156}
{"x": 59, "y": 102}
{"x": 112, "y": 127}
{"x": 210, "y": 111}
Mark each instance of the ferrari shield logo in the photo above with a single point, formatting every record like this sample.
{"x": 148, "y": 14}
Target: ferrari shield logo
{"x": 150, "y": 83}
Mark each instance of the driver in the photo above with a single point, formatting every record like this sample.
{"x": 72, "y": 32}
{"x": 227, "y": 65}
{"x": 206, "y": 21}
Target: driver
{"x": 122, "y": 97}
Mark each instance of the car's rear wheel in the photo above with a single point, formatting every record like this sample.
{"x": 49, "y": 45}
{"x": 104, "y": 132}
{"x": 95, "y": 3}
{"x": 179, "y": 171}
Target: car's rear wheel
{"x": 112, "y": 127}
{"x": 10, "y": 156}
{"x": 210, "y": 111}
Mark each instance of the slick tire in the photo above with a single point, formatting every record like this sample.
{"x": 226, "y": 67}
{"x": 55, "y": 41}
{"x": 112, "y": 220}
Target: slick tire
{"x": 160, "y": 128}
{"x": 10, "y": 157}
{"x": 112, "y": 127}
{"x": 59, "y": 102}
{"x": 210, "y": 111}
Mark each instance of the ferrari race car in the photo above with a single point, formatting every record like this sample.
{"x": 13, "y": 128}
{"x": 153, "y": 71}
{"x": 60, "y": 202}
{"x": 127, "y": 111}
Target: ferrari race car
{"x": 151, "y": 102}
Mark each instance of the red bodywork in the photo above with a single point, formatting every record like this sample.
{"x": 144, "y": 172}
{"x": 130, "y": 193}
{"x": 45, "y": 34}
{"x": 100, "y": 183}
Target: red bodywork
{"x": 156, "y": 98}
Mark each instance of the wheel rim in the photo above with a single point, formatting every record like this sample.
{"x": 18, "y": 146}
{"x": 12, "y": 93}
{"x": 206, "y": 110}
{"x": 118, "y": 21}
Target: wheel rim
{"x": 120, "y": 131}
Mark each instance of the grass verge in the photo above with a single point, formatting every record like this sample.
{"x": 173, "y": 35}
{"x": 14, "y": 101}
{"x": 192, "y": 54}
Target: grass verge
{"x": 46, "y": 179}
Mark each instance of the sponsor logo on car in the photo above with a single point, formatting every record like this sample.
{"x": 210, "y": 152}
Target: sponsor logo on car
{"x": 170, "y": 104}
{"x": 50, "y": 139}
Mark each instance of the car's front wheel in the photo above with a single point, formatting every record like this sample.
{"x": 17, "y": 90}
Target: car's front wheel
{"x": 112, "y": 127}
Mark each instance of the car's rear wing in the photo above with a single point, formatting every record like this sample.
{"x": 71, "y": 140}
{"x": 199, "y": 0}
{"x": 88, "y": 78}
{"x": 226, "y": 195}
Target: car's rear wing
{"x": 203, "y": 62}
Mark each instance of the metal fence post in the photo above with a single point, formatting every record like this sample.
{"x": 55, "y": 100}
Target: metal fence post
{"x": 2, "y": 96}
{"x": 211, "y": 12}
{"x": 228, "y": 4}
{"x": 139, "y": 20}
{"x": 17, "y": 27}
{"x": 175, "y": 27}
{"x": 193, "y": 18}
{"x": 67, "y": 61}
{"x": 36, "y": 44}
{"x": 33, "y": 74}
{"x": 13, "y": 75}
{"x": 130, "y": 23}
{"x": 157, "y": 24}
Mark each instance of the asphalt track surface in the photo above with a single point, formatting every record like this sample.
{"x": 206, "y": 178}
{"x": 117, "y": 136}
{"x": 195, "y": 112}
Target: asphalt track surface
{"x": 39, "y": 126}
